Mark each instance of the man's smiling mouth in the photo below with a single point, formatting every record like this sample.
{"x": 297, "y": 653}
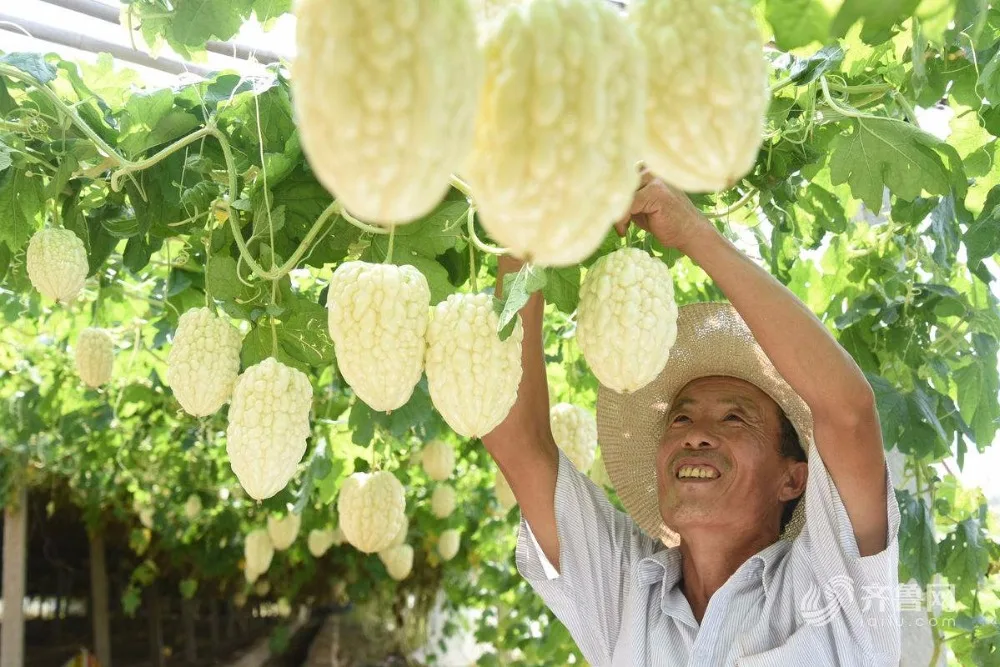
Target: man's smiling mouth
{"x": 696, "y": 472}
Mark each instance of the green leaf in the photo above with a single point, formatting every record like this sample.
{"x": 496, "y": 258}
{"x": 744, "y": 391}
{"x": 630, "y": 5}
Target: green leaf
{"x": 973, "y": 143}
{"x": 194, "y": 22}
{"x": 825, "y": 208}
{"x": 256, "y": 346}
{"x": 562, "y": 288}
{"x": 150, "y": 119}
{"x": 917, "y": 546}
{"x": 31, "y": 63}
{"x": 879, "y": 17}
{"x": 21, "y": 202}
{"x": 138, "y": 250}
{"x": 58, "y": 180}
{"x": 934, "y": 16}
{"x": 963, "y": 557}
{"x": 432, "y": 235}
{"x": 927, "y": 407}
{"x": 893, "y": 411}
{"x": 983, "y": 237}
{"x": 970, "y": 18}
{"x": 304, "y": 336}
{"x": 517, "y": 289}
{"x": 945, "y": 232}
{"x": 96, "y": 239}
{"x": 221, "y": 278}
{"x": 270, "y": 9}
{"x": 361, "y": 421}
{"x": 4, "y": 260}
{"x": 798, "y": 22}
{"x": 887, "y": 153}
{"x": 273, "y": 106}
{"x": 977, "y": 398}
{"x": 122, "y": 228}
{"x": 155, "y": 197}
{"x": 131, "y": 599}
{"x": 188, "y": 588}
{"x": 263, "y": 223}
{"x": 5, "y": 161}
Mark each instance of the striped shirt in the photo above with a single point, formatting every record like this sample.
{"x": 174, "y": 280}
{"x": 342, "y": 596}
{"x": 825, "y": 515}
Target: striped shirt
{"x": 814, "y": 601}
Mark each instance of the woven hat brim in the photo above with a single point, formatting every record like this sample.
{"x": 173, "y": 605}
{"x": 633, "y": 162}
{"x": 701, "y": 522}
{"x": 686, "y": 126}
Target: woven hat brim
{"x": 712, "y": 340}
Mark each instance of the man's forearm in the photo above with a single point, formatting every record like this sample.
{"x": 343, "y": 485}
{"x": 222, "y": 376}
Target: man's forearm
{"x": 794, "y": 339}
{"x": 527, "y": 424}
{"x": 522, "y": 445}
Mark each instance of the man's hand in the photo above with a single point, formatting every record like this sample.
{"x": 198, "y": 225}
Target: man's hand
{"x": 664, "y": 212}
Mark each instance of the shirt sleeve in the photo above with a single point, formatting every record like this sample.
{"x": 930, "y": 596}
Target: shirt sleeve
{"x": 597, "y": 546}
{"x": 866, "y": 587}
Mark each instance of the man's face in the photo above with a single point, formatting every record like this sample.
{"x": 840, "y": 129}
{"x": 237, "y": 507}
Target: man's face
{"x": 719, "y": 463}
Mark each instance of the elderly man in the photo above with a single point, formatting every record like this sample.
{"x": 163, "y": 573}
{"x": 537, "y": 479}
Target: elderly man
{"x": 757, "y": 409}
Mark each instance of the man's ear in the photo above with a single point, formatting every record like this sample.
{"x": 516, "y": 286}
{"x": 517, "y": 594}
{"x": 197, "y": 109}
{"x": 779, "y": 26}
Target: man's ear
{"x": 794, "y": 483}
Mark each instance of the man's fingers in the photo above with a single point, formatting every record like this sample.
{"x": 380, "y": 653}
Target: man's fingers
{"x": 645, "y": 176}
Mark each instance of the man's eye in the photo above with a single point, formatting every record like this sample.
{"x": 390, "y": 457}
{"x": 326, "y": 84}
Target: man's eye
{"x": 679, "y": 417}
{"x": 733, "y": 416}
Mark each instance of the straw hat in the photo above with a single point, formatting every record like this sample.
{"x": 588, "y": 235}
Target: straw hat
{"x": 712, "y": 339}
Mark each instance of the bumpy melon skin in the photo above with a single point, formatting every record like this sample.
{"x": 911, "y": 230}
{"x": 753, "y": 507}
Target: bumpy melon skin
{"x": 627, "y": 319}
{"x": 560, "y": 128}
{"x": 319, "y": 541}
{"x": 443, "y": 501}
{"x": 490, "y": 13}
{"x": 504, "y": 494}
{"x": 707, "y": 90}
{"x": 448, "y": 543}
{"x": 204, "y": 361}
{"x": 438, "y": 460}
{"x": 372, "y": 508}
{"x": 268, "y": 426}
{"x": 192, "y": 507}
{"x": 385, "y": 99}
{"x": 401, "y": 535}
{"x": 472, "y": 375}
{"x": 258, "y": 551}
{"x": 283, "y": 530}
{"x": 284, "y": 608}
{"x": 94, "y": 356}
{"x": 575, "y": 432}
{"x": 377, "y": 316}
{"x": 398, "y": 561}
{"x": 57, "y": 266}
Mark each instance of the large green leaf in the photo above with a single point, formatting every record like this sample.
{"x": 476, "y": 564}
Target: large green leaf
{"x": 798, "y": 22}
{"x": 983, "y": 237}
{"x": 517, "y": 289}
{"x": 880, "y": 153}
{"x": 194, "y": 22}
{"x": 963, "y": 557}
{"x": 879, "y": 17}
{"x": 562, "y": 288}
{"x": 918, "y": 548}
{"x": 31, "y": 63}
{"x": 21, "y": 199}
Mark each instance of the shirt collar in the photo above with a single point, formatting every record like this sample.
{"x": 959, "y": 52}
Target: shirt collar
{"x": 769, "y": 558}
{"x": 664, "y": 567}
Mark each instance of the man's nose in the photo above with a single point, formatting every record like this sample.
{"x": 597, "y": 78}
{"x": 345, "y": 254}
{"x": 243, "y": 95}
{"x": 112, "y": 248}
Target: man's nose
{"x": 699, "y": 439}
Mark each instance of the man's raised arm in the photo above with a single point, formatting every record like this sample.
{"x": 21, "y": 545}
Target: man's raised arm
{"x": 846, "y": 425}
{"x": 522, "y": 445}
